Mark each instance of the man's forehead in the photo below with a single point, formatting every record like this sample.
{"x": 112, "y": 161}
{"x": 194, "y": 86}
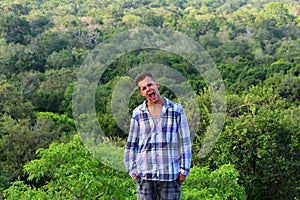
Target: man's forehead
{"x": 145, "y": 81}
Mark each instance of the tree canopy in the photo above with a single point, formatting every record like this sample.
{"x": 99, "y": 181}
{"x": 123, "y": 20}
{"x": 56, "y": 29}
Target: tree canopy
{"x": 254, "y": 44}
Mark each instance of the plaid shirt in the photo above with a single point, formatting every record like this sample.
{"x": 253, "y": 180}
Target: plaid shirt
{"x": 158, "y": 150}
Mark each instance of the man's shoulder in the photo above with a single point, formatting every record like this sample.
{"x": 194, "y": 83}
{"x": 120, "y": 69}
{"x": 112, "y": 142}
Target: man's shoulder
{"x": 173, "y": 105}
{"x": 138, "y": 109}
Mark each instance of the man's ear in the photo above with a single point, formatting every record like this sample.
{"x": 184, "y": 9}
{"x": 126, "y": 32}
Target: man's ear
{"x": 140, "y": 91}
{"x": 157, "y": 84}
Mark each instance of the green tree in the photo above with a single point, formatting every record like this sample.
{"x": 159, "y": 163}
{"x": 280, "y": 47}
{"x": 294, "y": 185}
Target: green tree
{"x": 151, "y": 19}
{"x": 289, "y": 88}
{"x": 66, "y": 103}
{"x": 42, "y": 46}
{"x": 260, "y": 141}
{"x": 289, "y": 51}
{"x": 202, "y": 183}
{"x": 39, "y": 24}
{"x": 50, "y": 93}
{"x": 22, "y": 138}
{"x": 132, "y": 21}
{"x": 71, "y": 172}
{"x": 13, "y": 28}
{"x": 13, "y": 59}
{"x": 275, "y": 11}
{"x": 13, "y": 104}
{"x": 269, "y": 21}
{"x": 27, "y": 83}
{"x": 280, "y": 65}
{"x": 61, "y": 59}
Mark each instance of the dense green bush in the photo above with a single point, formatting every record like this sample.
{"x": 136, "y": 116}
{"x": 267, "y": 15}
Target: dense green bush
{"x": 223, "y": 183}
{"x": 66, "y": 171}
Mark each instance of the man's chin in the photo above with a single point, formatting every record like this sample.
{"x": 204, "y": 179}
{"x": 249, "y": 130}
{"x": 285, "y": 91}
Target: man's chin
{"x": 152, "y": 101}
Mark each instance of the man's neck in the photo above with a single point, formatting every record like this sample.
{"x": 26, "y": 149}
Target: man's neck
{"x": 158, "y": 104}
{"x": 156, "y": 107}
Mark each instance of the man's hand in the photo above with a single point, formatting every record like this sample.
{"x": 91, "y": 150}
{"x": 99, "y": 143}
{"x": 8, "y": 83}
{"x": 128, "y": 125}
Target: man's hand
{"x": 135, "y": 177}
{"x": 181, "y": 177}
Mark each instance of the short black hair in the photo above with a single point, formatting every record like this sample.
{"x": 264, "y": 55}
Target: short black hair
{"x": 142, "y": 76}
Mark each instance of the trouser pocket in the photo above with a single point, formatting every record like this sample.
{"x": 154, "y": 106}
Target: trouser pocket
{"x": 139, "y": 182}
{"x": 178, "y": 183}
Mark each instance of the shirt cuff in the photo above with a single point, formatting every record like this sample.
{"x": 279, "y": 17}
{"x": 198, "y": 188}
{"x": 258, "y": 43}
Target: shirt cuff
{"x": 184, "y": 172}
{"x": 133, "y": 173}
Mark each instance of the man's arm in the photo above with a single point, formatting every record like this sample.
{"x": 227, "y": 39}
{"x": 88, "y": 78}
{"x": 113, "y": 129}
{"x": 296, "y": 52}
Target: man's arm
{"x": 184, "y": 146}
{"x": 131, "y": 149}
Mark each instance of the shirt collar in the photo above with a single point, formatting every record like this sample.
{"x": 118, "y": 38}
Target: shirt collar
{"x": 167, "y": 104}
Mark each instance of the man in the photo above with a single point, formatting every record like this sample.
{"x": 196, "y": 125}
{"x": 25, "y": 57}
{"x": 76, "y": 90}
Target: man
{"x": 158, "y": 150}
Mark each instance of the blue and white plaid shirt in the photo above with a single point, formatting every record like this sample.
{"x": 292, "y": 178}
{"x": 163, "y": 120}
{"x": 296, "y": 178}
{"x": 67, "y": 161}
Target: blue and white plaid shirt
{"x": 159, "y": 149}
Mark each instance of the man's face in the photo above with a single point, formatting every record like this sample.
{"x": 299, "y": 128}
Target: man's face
{"x": 149, "y": 89}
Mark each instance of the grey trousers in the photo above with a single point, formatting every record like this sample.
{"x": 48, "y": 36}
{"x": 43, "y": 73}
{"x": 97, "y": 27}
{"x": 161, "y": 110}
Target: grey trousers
{"x": 154, "y": 190}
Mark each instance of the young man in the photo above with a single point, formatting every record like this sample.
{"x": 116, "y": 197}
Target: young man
{"x": 158, "y": 150}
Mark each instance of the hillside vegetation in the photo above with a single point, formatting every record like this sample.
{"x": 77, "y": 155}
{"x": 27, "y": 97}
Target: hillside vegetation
{"x": 254, "y": 44}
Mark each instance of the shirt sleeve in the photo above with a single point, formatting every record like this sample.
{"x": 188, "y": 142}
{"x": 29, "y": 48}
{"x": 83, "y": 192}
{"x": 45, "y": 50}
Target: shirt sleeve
{"x": 184, "y": 144}
{"x": 132, "y": 148}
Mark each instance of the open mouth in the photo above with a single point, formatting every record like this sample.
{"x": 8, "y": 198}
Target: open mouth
{"x": 152, "y": 95}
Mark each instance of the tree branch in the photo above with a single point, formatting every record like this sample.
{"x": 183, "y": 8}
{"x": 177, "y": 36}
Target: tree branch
{"x": 67, "y": 188}
{"x": 99, "y": 195}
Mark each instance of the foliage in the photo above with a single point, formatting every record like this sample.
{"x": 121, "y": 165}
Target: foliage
{"x": 254, "y": 44}
{"x": 50, "y": 93}
{"x": 202, "y": 183}
{"x": 260, "y": 141}
{"x": 13, "y": 27}
{"x": 13, "y": 104}
{"x": 72, "y": 172}
{"x": 20, "y": 140}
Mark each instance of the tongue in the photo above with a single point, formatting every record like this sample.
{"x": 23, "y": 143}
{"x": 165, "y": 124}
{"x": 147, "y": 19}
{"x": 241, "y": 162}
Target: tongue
{"x": 153, "y": 96}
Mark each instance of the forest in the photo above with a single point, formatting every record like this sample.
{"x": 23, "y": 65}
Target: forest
{"x": 45, "y": 45}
